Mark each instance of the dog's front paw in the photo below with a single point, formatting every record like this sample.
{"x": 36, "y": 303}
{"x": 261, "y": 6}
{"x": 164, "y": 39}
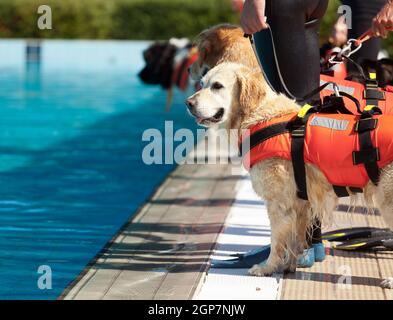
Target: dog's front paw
{"x": 260, "y": 271}
{"x": 387, "y": 284}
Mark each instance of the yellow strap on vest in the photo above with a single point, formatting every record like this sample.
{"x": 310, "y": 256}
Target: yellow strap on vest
{"x": 373, "y": 76}
{"x": 303, "y": 111}
{"x": 369, "y": 107}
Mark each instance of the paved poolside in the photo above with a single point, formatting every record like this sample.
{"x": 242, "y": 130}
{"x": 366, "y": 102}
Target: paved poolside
{"x": 205, "y": 211}
{"x": 163, "y": 252}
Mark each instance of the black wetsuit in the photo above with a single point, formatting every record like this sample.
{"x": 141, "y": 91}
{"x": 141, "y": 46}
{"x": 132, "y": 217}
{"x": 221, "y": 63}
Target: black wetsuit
{"x": 295, "y": 30}
{"x": 295, "y": 26}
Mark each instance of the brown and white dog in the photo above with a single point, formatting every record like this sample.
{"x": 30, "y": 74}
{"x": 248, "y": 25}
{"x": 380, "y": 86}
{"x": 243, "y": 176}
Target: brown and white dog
{"x": 240, "y": 97}
{"x": 222, "y": 43}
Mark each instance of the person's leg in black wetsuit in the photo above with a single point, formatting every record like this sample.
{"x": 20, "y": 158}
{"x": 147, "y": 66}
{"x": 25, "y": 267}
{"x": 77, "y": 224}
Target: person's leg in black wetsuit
{"x": 363, "y": 12}
{"x": 295, "y": 25}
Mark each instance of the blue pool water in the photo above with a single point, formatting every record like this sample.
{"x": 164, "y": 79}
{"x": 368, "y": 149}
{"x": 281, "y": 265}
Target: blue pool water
{"x": 71, "y": 172}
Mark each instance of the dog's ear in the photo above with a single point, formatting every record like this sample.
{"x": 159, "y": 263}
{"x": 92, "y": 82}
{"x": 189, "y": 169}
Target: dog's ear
{"x": 251, "y": 89}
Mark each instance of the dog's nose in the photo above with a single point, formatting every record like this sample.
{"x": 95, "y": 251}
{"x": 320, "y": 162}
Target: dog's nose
{"x": 190, "y": 103}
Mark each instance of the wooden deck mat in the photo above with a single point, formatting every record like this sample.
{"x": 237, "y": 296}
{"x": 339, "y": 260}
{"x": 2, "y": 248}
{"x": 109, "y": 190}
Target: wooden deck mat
{"x": 344, "y": 275}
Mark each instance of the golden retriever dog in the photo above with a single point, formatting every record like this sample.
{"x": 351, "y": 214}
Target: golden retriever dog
{"x": 222, "y": 43}
{"x": 240, "y": 97}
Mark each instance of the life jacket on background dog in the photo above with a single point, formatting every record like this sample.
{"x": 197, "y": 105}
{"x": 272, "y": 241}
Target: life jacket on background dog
{"x": 366, "y": 94}
{"x": 348, "y": 140}
{"x": 167, "y": 65}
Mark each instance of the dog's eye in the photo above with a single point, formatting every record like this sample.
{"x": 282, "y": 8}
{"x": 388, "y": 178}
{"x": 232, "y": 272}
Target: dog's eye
{"x": 217, "y": 86}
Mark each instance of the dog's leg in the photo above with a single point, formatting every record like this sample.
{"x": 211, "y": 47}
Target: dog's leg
{"x": 384, "y": 201}
{"x": 291, "y": 258}
{"x": 297, "y": 241}
{"x": 283, "y": 225}
{"x": 302, "y": 226}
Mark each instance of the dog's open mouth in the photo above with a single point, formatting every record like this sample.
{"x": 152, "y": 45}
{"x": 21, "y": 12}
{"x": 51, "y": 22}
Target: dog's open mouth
{"x": 216, "y": 118}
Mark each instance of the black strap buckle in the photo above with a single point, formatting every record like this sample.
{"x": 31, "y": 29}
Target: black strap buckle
{"x": 374, "y": 94}
{"x": 341, "y": 192}
{"x": 356, "y": 190}
{"x": 371, "y": 83}
{"x": 365, "y": 156}
{"x": 364, "y": 125}
{"x": 299, "y": 132}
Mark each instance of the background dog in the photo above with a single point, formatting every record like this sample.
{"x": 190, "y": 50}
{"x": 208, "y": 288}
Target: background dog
{"x": 240, "y": 97}
{"x": 222, "y": 43}
{"x": 383, "y": 68}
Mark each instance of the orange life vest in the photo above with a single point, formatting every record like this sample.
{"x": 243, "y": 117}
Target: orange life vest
{"x": 330, "y": 143}
{"x": 359, "y": 91}
{"x": 345, "y": 139}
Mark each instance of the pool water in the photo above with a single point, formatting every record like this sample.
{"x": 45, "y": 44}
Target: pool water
{"x": 71, "y": 171}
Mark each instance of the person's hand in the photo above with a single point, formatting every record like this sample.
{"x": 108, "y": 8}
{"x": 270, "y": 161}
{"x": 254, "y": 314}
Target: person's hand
{"x": 253, "y": 16}
{"x": 383, "y": 22}
{"x": 339, "y": 34}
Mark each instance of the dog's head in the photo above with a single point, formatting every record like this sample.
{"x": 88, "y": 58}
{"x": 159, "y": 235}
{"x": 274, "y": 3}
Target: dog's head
{"x": 222, "y": 43}
{"x": 383, "y": 68}
{"x": 229, "y": 92}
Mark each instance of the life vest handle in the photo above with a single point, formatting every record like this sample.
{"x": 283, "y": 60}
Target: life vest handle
{"x": 320, "y": 88}
{"x": 354, "y": 100}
